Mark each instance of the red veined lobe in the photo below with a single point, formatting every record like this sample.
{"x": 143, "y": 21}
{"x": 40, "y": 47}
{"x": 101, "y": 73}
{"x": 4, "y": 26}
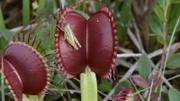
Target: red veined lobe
{"x": 25, "y": 70}
{"x": 12, "y": 78}
{"x": 29, "y": 65}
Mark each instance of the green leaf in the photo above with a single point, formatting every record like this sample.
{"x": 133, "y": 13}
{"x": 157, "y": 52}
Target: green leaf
{"x": 74, "y": 99}
{"x": 116, "y": 8}
{"x": 97, "y": 6}
{"x": 107, "y": 2}
{"x": 160, "y": 39}
{"x": 125, "y": 84}
{"x": 71, "y": 2}
{"x": 3, "y": 44}
{"x": 105, "y": 86}
{"x": 174, "y": 95}
{"x": 162, "y": 3}
{"x": 144, "y": 67}
{"x": 155, "y": 25}
{"x": 123, "y": 22}
{"x": 58, "y": 3}
{"x": 164, "y": 97}
{"x": 80, "y": 7}
{"x": 173, "y": 18}
{"x": 7, "y": 34}
{"x": 26, "y": 12}
{"x": 41, "y": 5}
{"x": 174, "y": 12}
{"x": 83, "y": 14}
{"x": 2, "y": 25}
{"x": 174, "y": 61}
{"x": 51, "y": 7}
{"x": 56, "y": 93}
{"x": 159, "y": 12}
{"x": 169, "y": 11}
{"x": 122, "y": 84}
{"x": 51, "y": 97}
{"x": 175, "y": 1}
{"x": 153, "y": 43}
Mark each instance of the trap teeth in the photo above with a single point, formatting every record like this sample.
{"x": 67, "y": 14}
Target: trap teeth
{"x": 34, "y": 66}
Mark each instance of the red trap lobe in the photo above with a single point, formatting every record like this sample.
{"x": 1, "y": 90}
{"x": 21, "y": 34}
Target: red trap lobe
{"x": 12, "y": 78}
{"x": 98, "y": 39}
{"x": 29, "y": 66}
{"x": 24, "y": 69}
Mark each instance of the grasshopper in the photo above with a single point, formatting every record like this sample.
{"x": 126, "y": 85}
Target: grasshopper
{"x": 70, "y": 37}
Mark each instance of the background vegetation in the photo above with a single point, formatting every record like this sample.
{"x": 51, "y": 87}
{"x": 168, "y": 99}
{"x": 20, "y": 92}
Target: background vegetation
{"x": 148, "y": 59}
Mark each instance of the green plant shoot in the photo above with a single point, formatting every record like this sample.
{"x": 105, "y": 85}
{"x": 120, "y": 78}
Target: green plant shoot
{"x": 88, "y": 85}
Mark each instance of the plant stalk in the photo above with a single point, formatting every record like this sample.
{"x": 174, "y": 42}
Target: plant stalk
{"x": 2, "y": 79}
{"x": 88, "y": 84}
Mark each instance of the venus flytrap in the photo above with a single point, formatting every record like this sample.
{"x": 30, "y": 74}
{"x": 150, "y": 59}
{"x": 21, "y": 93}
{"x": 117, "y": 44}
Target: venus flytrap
{"x": 25, "y": 69}
{"x": 88, "y": 81}
{"x": 88, "y": 45}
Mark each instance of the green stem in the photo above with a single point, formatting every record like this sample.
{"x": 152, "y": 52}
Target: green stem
{"x": 88, "y": 84}
{"x": 2, "y": 25}
{"x": 30, "y": 98}
{"x": 2, "y": 81}
{"x": 41, "y": 7}
{"x": 26, "y": 11}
